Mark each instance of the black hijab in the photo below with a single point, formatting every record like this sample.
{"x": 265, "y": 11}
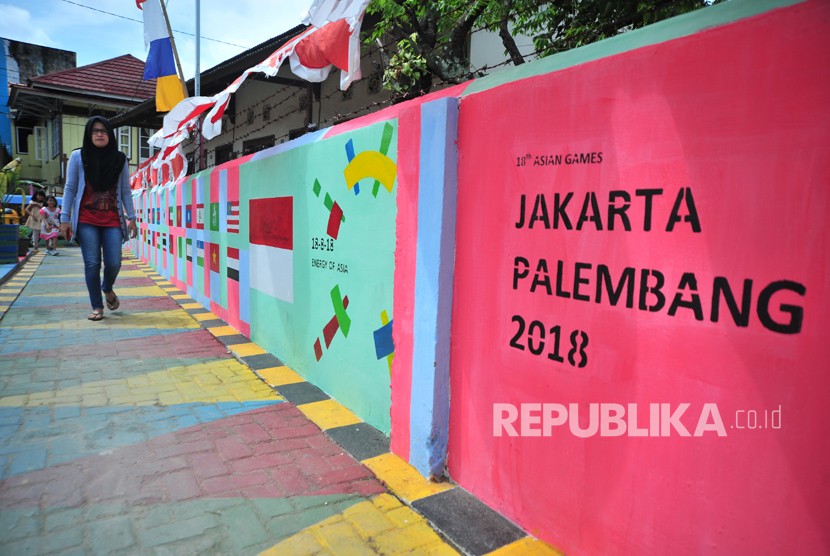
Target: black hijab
{"x": 102, "y": 166}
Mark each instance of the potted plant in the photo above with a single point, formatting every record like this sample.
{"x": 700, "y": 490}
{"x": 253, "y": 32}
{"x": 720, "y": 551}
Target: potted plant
{"x": 9, "y": 234}
{"x": 24, "y": 238}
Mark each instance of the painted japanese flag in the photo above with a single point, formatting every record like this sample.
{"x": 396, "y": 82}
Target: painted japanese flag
{"x": 272, "y": 246}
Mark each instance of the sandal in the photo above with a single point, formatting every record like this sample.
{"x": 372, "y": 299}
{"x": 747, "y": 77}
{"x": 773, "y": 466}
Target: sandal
{"x": 114, "y": 303}
{"x": 96, "y": 315}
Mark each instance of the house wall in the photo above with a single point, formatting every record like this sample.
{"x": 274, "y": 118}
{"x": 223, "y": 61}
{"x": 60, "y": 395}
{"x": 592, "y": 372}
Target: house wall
{"x": 47, "y": 168}
{"x": 50, "y": 170}
{"x": 24, "y": 61}
{"x": 710, "y": 142}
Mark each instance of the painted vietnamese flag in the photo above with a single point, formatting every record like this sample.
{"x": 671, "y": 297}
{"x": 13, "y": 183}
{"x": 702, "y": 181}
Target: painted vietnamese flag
{"x": 272, "y": 246}
{"x": 213, "y": 253}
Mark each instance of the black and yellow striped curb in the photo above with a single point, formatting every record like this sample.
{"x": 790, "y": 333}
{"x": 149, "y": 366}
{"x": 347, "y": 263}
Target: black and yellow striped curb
{"x": 466, "y": 522}
{"x": 16, "y": 280}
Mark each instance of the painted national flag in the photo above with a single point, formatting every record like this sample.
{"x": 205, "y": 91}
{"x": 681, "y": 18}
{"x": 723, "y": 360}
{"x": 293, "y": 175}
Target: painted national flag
{"x": 160, "y": 64}
{"x": 233, "y": 217}
{"x": 233, "y": 264}
{"x": 200, "y": 216}
{"x": 272, "y": 246}
{"x": 178, "y": 215}
{"x": 188, "y": 217}
{"x": 214, "y": 217}
{"x": 189, "y": 250}
{"x": 200, "y": 253}
{"x": 213, "y": 254}
{"x": 180, "y": 242}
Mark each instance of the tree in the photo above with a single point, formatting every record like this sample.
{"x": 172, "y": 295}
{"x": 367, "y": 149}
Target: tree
{"x": 431, "y": 38}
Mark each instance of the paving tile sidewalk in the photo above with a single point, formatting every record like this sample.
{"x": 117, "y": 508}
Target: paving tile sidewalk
{"x": 146, "y": 434}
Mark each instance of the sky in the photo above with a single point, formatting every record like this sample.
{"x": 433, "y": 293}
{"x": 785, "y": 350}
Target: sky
{"x": 88, "y": 28}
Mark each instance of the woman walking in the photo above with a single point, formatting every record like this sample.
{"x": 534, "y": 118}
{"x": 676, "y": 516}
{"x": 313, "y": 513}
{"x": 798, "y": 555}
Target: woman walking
{"x": 95, "y": 198}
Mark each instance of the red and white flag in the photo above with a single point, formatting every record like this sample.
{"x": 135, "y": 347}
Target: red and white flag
{"x": 333, "y": 41}
{"x": 272, "y": 246}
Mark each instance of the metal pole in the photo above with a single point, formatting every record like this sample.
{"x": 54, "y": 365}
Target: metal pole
{"x": 197, "y": 86}
{"x": 197, "y": 81}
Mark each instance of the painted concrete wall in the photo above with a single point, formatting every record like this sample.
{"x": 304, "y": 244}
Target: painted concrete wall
{"x": 639, "y": 339}
{"x": 294, "y": 247}
{"x": 707, "y": 136}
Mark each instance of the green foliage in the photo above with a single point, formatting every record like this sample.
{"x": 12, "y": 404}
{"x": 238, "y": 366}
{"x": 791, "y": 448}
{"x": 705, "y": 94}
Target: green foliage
{"x": 24, "y": 232}
{"x": 8, "y": 179}
{"x": 432, "y": 37}
{"x": 560, "y": 26}
{"x": 406, "y": 68}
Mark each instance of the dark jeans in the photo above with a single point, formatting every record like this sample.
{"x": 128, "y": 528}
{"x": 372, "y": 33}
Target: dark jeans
{"x": 94, "y": 240}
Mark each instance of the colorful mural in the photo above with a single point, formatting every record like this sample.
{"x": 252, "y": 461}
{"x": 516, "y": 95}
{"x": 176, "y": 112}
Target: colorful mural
{"x": 639, "y": 322}
{"x": 644, "y": 229}
{"x": 285, "y": 247}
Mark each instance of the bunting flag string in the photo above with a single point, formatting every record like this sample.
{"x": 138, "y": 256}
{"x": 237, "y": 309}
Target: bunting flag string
{"x": 332, "y": 41}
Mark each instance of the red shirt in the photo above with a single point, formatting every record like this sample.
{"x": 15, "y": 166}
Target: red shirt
{"x": 99, "y": 208}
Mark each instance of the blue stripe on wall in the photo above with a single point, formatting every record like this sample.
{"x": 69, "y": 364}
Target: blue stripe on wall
{"x": 429, "y": 411}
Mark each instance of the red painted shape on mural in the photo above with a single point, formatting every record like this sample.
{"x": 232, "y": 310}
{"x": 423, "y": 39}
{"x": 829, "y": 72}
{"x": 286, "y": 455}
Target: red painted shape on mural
{"x": 318, "y": 349}
{"x": 272, "y": 222}
{"x": 335, "y": 217}
{"x": 330, "y": 330}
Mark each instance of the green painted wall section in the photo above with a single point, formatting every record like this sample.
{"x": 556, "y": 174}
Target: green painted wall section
{"x": 359, "y": 263}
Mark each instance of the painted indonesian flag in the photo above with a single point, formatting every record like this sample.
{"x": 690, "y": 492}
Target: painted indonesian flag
{"x": 272, "y": 246}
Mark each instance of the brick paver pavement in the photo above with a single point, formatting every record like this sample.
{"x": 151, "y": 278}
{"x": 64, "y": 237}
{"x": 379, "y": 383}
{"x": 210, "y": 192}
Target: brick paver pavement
{"x": 142, "y": 434}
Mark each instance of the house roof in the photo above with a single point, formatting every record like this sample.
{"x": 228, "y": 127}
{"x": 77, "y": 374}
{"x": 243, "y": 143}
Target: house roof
{"x": 211, "y": 81}
{"x": 120, "y": 77}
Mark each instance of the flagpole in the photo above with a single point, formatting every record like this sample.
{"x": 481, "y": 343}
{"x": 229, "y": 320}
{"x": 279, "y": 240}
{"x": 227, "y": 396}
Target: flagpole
{"x": 197, "y": 79}
{"x": 197, "y": 89}
{"x": 175, "y": 52}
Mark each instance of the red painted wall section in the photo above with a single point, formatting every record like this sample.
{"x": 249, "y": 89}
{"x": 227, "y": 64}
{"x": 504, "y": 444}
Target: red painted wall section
{"x": 728, "y": 131}
{"x": 409, "y": 140}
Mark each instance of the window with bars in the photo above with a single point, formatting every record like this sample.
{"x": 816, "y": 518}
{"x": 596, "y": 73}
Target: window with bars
{"x": 124, "y": 143}
{"x": 145, "y": 150}
{"x": 55, "y": 124}
{"x": 41, "y": 136}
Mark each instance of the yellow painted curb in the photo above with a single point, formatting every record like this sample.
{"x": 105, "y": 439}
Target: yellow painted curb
{"x": 244, "y": 350}
{"x": 204, "y": 316}
{"x": 220, "y": 330}
{"x": 403, "y": 479}
{"x": 328, "y": 414}
{"x": 279, "y": 376}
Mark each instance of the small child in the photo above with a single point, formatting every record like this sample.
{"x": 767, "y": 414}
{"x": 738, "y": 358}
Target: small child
{"x": 50, "y": 224}
{"x": 33, "y": 210}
